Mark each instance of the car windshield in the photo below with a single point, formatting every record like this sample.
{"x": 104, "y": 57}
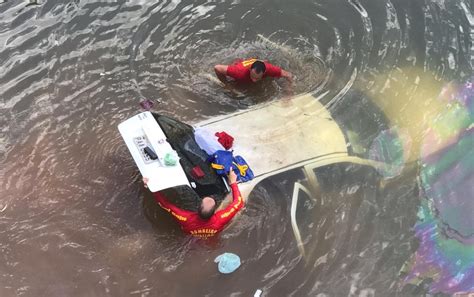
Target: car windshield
{"x": 181, "y": 138}
{"x": 174, "y": 130}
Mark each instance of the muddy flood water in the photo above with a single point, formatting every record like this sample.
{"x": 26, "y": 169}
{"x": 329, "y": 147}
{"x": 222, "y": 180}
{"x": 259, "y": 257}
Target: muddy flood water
{"x": 395, "y": 75}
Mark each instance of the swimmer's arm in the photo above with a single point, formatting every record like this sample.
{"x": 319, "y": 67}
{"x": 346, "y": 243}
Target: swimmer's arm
{"x": 287, "y": 75}
{"x": 225, "y": 215}
{"x": 289, "y": 78}
{"x": 278, "y": 72}
{"x": 177, "y": 212}
{"x": 221, "y": 72}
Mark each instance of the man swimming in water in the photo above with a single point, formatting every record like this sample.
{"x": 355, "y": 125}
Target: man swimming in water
{"x": 250, "y": 71}
{"x": 206, "y": 222}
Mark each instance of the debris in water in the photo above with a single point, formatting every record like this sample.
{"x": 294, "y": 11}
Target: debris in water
{"x": 228, "y": 262}
{"x": 146, "y": 104}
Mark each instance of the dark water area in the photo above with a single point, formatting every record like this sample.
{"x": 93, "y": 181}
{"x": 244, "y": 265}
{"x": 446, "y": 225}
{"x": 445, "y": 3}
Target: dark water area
{"x": 396, "y": 76}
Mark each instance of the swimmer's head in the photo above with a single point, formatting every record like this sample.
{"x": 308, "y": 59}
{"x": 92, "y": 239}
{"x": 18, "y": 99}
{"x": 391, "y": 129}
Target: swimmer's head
{"x": 257, "y": 70}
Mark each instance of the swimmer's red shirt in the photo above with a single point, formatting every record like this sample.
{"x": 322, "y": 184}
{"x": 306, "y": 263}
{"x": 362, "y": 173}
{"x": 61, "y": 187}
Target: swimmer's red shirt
{"x": 240, "y": 70}
{"x": 191, "y": 222}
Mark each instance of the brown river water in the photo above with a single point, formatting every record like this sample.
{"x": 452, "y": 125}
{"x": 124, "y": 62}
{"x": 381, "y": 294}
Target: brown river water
{"x": 75, "y": 219}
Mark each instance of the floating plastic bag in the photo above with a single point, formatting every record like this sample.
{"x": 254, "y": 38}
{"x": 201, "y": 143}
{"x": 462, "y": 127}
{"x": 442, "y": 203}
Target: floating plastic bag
{"x": 228, "y": 262}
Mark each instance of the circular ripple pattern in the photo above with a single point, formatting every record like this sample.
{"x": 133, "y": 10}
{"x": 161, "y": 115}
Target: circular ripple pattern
{"x": 74, "y": 218}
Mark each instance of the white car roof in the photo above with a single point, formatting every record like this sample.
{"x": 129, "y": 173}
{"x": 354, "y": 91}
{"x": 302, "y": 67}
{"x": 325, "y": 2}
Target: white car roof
{"x": 282, "y": 133}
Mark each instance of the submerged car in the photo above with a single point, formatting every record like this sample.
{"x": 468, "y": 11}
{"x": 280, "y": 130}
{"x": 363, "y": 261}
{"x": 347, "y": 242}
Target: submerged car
{"x": 274, "y": 138}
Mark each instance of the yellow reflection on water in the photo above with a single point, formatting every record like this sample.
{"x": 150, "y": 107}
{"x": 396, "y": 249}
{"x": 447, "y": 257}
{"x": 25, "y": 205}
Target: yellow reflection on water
{"x": 408, "y": 98}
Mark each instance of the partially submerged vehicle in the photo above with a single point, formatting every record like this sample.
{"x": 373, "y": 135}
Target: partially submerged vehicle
{"x": 274, "y": 138}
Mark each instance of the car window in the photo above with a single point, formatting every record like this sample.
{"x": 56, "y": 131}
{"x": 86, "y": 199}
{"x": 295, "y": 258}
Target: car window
{"x": 181, "y": 138}
{"x": 193, "y": 148}
{"x": 344, "y": 175}
{"x": 173, "y": 129}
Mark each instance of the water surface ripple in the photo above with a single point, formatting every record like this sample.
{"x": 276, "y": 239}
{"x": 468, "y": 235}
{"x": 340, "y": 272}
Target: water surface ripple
{"x": 75, "y": 220}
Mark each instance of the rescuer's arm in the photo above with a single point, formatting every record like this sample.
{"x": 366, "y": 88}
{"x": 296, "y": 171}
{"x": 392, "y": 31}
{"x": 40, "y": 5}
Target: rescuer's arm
{"x": 226, "y": 214}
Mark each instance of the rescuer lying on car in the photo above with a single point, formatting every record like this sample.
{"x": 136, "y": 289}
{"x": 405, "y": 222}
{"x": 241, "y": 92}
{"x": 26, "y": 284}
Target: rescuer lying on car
{"x": 206, "y": 222}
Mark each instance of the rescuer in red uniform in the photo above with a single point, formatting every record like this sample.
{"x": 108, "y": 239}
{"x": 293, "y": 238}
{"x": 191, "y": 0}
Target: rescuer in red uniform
{"x": 250, "y": 70}
{"x": 206, "y": 222}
